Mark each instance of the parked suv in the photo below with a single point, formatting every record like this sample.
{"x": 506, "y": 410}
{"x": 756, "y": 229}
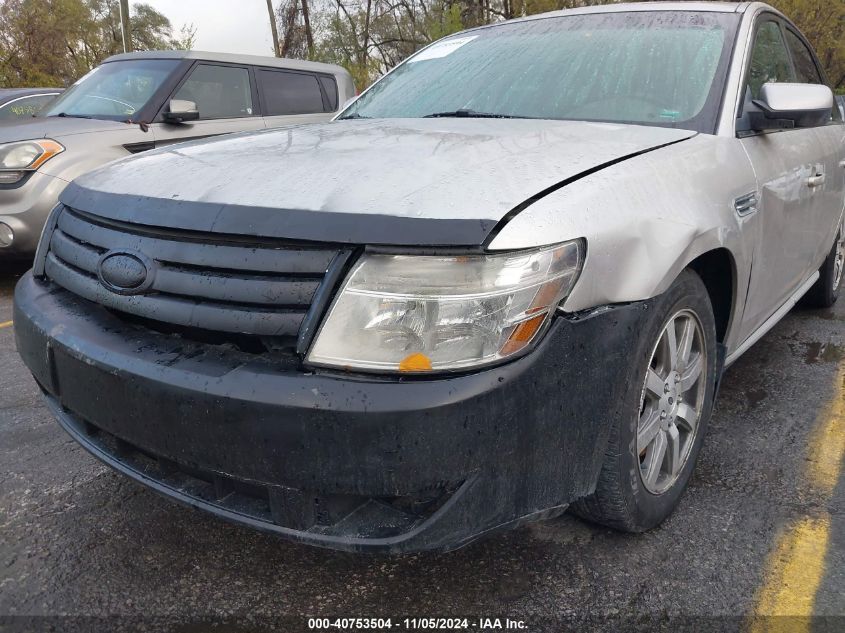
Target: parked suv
{"x": 506, "y": 280}
{"x": 138, "y": 101}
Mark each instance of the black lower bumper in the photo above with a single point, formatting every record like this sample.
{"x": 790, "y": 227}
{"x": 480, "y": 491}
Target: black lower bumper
{"x": 341, "y": 461}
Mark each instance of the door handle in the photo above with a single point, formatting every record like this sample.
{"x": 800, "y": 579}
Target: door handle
{"x": 842, "y": 164}
{"x": 816, "y": 181}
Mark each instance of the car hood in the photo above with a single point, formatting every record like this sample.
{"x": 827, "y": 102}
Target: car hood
{"x": 53, "y": 127}
{"x": 388, "y": 181}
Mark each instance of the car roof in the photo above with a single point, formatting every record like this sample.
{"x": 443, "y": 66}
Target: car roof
{"x": 642, "y": 7}
{"x": 10, "y": 94}
{"x": 232, "y": 58}
{"x": 625, "y": 7}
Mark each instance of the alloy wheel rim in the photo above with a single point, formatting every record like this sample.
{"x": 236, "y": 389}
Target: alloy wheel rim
{"x": 672, "y": 401}
{"x": 839, "y": 259}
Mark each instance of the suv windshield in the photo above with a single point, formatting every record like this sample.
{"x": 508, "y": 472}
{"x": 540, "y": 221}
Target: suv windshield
{"x": 662, "y": 68}
{"x": 116, "y": 90}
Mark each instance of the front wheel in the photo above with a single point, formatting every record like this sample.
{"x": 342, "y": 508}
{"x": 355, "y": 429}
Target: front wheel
{"x": 652, "y": 450}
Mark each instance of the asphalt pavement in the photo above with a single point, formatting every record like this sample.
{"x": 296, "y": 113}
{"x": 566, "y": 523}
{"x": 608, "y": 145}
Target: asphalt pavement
{"x": 760, "y": 531}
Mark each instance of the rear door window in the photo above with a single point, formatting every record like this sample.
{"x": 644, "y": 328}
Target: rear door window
{"x": 283, "y": 92}
{"x": 806, "y": 70}
{"x": 330, "y": 88}
{"x": 220, "y": 92}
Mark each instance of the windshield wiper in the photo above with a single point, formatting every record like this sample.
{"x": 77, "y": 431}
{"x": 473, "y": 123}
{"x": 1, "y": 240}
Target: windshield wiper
{"x": 65, "y": 115}
{"x": 470, "y": 114}
{"x": 354, "y": 115}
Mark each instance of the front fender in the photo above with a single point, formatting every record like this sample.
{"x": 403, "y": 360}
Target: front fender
{"x": 645, "y": 220}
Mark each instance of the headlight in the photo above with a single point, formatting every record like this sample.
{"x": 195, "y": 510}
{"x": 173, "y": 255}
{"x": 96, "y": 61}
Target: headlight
{"x": 421, "y": 313}
{"x": 18, "y": 158}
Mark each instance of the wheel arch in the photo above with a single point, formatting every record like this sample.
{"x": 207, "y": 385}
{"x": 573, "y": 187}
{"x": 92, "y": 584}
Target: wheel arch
{"x": 717, "y": 269}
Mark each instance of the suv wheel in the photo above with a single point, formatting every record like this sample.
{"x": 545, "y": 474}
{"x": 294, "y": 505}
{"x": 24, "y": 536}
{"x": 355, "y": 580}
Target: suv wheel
{"x": 652, "y": 451}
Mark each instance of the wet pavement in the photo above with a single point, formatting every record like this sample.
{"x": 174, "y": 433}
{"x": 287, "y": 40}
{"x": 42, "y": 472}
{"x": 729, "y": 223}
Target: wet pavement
{"x": 761, "y": 528}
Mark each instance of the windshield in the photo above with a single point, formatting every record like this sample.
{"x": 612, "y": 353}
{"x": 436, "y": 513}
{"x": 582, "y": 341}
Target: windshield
{"x": 663, "y": 68}
{"x": 116, "y": 90}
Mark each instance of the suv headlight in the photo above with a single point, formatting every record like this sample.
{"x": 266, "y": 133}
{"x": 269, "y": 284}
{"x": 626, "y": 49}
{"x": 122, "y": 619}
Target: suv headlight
{"x": 407, "y": 313}
{"x": 16, "y": 159}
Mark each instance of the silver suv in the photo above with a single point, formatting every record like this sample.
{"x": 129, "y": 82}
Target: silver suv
{"x": 139, "y": 101}
{"x": 506, "y": 280}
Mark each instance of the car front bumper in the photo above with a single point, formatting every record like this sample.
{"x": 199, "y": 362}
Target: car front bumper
{"x": 25, "y": 208}
{"x": 336, "y": 460}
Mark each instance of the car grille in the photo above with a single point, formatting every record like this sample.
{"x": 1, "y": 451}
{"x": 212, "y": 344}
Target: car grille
{"x": 232, "y": 284}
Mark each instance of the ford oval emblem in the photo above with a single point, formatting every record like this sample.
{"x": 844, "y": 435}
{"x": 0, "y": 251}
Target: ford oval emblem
{"x": 125, "y": 272}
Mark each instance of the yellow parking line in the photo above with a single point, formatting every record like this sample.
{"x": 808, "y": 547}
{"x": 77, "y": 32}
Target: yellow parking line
{"x": 827, "y": 446}
{"x": 796, "y": 566}
{"x": 6, "y": 324}
{"x": 795, "y": 571}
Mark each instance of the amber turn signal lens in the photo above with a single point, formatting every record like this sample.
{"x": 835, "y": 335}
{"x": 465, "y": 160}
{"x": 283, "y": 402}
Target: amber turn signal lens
{"x": 50, "y": 149}
{"x": 415, "y": 362}
{"x": 522, "y": 334}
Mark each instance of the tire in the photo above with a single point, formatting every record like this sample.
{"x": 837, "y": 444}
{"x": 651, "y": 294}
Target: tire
{"x": 825, "y": 291}
{"x": 627, "y": 495}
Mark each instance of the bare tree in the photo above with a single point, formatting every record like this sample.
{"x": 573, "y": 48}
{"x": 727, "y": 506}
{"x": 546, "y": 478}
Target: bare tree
{"x": 273, "y": 28}
{"x": 309, "y": 34}
{"x": 297, "y": 34}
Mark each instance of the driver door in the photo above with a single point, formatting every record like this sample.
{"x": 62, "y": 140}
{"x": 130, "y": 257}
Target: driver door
{"x": 226, "y": 100}
{"x": 786, "y": 163}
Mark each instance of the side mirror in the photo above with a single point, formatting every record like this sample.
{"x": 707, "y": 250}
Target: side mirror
{"x": 784, "y": 106}
{"x": 181, "y": 111}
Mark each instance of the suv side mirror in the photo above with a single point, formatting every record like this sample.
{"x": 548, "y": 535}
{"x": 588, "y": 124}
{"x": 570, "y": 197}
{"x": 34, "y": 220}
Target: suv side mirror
{"x": 784, "y": 106}
{"x": 181, "y": 111}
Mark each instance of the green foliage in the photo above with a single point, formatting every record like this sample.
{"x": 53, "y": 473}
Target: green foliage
{"x": 449, "y": 22}
{"x": 54, "y": 42}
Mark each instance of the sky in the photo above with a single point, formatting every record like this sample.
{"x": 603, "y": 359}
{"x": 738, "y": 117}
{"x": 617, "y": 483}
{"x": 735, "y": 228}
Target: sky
{"x": 223, "y": 26}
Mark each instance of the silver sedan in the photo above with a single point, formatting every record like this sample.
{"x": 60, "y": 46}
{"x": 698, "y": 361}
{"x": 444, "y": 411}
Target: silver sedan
{"x": 505, "y": 281}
